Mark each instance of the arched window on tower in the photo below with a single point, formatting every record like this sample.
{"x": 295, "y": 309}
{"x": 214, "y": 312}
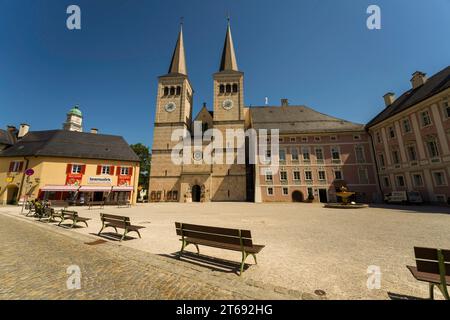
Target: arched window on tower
{"x": 235, "y": 88}
{"x": 178, "y": 90}
{"x": 166, "y": 91}
{"x": 221, "y": 88}
{"x": 172, "y": 91}
{"x": 228, "y": 88}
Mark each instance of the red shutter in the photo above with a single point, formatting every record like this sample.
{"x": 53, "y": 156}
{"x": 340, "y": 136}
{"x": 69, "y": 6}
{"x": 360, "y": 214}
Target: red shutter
{"x": 20, "y": 166}
{"x": 83, "y": 169}
{"x": 130, "y": 171}
{"x": 69, "y": 169}
{"x": 11, "y": 166}
{"x": 99, "y": 170}
{"x": 118, "y": 171}
{"x": 111, "y": 170}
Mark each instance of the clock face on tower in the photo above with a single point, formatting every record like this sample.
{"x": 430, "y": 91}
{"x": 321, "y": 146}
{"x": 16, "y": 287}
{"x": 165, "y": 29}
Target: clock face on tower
{"x": 227, "y": 104}
{"x": 170, "y": 107}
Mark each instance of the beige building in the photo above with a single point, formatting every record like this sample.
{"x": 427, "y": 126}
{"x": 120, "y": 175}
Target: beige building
{"x": 411, "y": 138}
{"x": 67, "y": 165}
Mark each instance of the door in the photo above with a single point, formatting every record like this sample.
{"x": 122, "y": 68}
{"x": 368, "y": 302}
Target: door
{"x": 297, "y": 196}
{"x": 196, "y": 193}
{"x": 323, "y": 197}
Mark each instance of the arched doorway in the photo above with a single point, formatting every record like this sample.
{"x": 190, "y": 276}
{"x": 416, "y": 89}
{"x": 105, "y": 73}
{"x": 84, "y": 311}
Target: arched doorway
{"x": 11, "y": 194}
{"x": 196, "y": 193}
{"x": 297, "y": 196}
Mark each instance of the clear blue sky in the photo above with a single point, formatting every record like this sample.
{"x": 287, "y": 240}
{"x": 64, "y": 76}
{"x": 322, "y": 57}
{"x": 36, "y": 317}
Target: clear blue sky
{"x": 314, "y": 52}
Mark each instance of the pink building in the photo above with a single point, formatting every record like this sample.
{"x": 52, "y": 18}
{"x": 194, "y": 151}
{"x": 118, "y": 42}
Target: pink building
{"x": 318, "y": 155}
{"x": 411, "y": 138}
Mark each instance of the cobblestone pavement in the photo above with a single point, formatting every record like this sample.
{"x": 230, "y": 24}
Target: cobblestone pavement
{"x": 34, "y": 258}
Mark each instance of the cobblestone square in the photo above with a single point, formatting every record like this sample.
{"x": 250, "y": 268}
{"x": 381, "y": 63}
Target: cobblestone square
{"x": 308, "y": 248}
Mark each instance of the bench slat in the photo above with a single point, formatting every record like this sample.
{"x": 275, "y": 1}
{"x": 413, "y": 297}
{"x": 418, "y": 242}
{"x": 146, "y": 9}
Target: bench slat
{"x": 431, "y": 267}
{"x": 214, "y": 230}
{"x": 233, "y": 247}
{"x": 214, "y": 237}
{"x": 430, "y": 254}
{"x": 427, "y": 277}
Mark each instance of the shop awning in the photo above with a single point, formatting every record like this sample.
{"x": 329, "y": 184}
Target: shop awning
{"x": 124, "y": 188}
{"x": 94, "y": 189}
{"x": 60, "y": 188}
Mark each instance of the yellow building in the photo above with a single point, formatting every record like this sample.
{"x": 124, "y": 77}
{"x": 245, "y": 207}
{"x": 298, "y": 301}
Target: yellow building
{"x": 68, "y": 165}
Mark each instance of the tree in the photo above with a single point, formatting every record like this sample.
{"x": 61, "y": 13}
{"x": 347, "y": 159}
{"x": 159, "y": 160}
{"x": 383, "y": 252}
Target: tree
{"x": 144, "y": 155}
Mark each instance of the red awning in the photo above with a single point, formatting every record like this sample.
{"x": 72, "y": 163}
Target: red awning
{"x": 60, "y": 188}
{"x": 122, "y": 188}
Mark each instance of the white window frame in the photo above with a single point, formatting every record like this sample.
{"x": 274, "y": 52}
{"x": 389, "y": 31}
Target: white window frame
{"x": 357, "y": 137}
{"x": 285, "y": 173}
{"x": 310, "y": 172}
{"x": 267, "y": 175}
{"x": 321, "y": 151}
{"x": 381, "y": 154}
{"x": 292, "y": 139}
{"x": 292, "y": 154}
{"x": 333, "y": 138}
{"x": 422, "y": 123}
{"x": 393, "y": 131}
{"x": 282, "y": 150}
{"x": 408, "y": 153}
{"x": 435, "y": 141}
{"x": 324, "y": 175}
{"x": 308, "y": 151}
{"x": 397, "y": 152}
{"x": 446, "y": 109}
{"x": 79, "y": 166}
{"x": 414, "y": 180}
{"x": 123, "y": 170}
{"x": 106, "y": 170}
{"x": 338, "y": 152}
{"x": 299, "y": 175}
{"x": 404, "y": 120}
{"x": 16, "y": 166}
{"x": 270, "y": 194}
{"x": 338, "y": 170}
{"x": 283, "y": 191}
{"x": 363, "y": 159}
{"x": 443, "y": 175}
{"x": 396, "y": 180}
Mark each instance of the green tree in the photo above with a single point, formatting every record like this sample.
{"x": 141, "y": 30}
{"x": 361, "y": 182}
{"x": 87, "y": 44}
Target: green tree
{"x": 143, "y": 153}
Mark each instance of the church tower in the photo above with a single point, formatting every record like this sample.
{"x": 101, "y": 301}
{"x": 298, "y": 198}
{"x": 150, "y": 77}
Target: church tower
{"x": 74, "y": 120}
{"x": 229, "y": 180}
{"x": 173, "y": 111}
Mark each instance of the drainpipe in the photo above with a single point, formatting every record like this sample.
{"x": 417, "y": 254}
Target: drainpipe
{"x": 374, "y": 156}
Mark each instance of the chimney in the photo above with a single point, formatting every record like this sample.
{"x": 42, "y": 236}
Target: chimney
{"x": 389, "y": 98}
{"x": 284, "y": 102}
{"x": 94, "y": 130}
{"x": 23, "y": 130}
{"x": 11, "y": 129}
{"x": 418, "y": 79}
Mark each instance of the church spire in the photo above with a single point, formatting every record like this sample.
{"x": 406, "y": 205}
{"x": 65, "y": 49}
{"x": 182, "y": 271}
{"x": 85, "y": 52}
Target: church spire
{"x": 228, "y": 62}
{"x": 178, "y": 63}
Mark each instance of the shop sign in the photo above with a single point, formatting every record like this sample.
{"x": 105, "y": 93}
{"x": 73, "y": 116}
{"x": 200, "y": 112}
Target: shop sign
{"x": 100, "y": 180}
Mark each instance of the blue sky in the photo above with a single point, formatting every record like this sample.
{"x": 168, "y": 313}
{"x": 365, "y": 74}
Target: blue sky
{"x": 318, "y": 53}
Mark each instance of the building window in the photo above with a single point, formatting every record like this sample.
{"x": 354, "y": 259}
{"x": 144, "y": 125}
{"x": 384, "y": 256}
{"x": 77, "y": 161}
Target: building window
{"x": 386, "y": 182}
{"x": 306, "y": 156}
{"x": 106, "y": 170}
{"x": 338, "y": 174}
{"x": 172, "y": 91}
{"x": 16, "y": 166}
{"x": 296, "y": 175}
{"x": 280, "y": 139}
{"x": 221, "y": 88}
{"x": 268, "y": 155}
{"x": 305, "y": 139}
{"x": 285, "y": 191}
{"x": 400, "y": 181}
{"x": 446, "y": 106}
{"x": 378, "y": 137}
{"x": 425, "y": 118}
{"x": 417, "y": 179}
{"x": 391, "y": 132}
{"x": 178, "y": 90}
{"x": 395, "y": 157}
{"x": 356, "y": 137}
{"x": 294, "y": 154}
{"x": 321, "y": 175}
{"x": 319, "y": 154}
{"x": 269, "y": 176}
{"x": 317, "y": 139}
{"x": 124, "y": 171}
{"x": 228, "y": 88}
{"x": 235, "y": 88}
{"x": 432, "y": 148}
{"x": 333, "y": 138}
{"x": 412, "y": 155}
{"x": 166, "y": 91}
{"x": 335, "y": 154}
{"x": 76, "y": 168}
{"x": 283, "y": 175}
{"x": 282, "y": 154}
{"x": 406, "y": 126}
{"x": 381, "y": 160}
{"x": 292, "y": 139}
{"x": 270, "y": 191}
{"x": 439, "y": 178}
{"x": 359, "y": 151}
{"x": 308, "y": 175}
{"x": 363, "y": 176}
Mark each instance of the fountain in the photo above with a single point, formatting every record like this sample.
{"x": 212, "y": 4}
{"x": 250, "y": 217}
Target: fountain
{"x": 345, "y": 195}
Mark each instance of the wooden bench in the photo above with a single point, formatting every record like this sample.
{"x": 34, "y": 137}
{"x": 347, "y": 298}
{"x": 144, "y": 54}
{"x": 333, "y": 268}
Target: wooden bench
{"x": 432, "y": 266}
{"x": 222, "y": 238}
{"x": 72, "y": 215}
{"x": 45, "y": 213}
{"x": 113, "y": 221}
{"x": 100, "y": 204}
{"x": 59, "y": 203}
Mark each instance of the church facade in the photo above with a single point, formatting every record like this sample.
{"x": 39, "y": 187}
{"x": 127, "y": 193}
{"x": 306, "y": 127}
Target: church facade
{"x": 308, "y": 142}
